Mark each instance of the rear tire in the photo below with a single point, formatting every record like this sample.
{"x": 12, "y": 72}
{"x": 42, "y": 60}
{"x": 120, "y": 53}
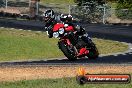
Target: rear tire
{"x": 66, "y": 52}
{"x": 93, "y": 52}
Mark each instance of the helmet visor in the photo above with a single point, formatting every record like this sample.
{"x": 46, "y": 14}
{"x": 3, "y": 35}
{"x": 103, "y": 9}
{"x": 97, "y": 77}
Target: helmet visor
{"x": 46, "y": 19}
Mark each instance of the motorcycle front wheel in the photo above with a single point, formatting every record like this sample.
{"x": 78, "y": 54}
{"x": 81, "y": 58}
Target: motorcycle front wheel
{"x": 71, "y": 56}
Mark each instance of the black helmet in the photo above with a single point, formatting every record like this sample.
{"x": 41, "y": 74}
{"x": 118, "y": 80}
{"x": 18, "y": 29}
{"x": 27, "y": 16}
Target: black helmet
{"x": 63, "y": 17}
{"x": 69, "y": 18}
{"x": 49, "y": 15}
{"x": 66, "y": 18}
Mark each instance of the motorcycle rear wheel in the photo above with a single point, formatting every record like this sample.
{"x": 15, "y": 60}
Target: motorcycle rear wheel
{"x": 93, "y": 52}
{"x": 66, "y": 51}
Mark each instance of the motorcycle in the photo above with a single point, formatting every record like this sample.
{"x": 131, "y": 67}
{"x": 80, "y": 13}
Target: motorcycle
{"x": 71, "y": 44}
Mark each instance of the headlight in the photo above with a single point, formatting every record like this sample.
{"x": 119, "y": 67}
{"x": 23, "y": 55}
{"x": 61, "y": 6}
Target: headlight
{"x": 61, "y": 30}
{"x": 56, "y": 34}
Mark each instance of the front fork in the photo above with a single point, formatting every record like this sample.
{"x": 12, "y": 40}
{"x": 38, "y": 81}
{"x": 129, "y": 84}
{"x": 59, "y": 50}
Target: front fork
{"x": 81, "y": 51}
{"x": 67, "y": 41}
{"x": 76, "y": 50}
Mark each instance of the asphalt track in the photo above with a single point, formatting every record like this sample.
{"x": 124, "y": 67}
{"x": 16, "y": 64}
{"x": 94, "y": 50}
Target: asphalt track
{"x": 120, "y": 33}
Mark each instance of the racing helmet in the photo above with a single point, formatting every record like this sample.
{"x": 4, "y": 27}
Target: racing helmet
{"x": 69, "y": 18}
{"x": 49, "y": 15}
{"x": 63, "y": 17}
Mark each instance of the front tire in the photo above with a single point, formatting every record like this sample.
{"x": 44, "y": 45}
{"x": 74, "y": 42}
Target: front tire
{"x": 66, "y": 52}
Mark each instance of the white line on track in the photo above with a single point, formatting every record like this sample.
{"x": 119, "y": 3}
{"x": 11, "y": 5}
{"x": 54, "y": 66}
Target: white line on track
{"x": 130, "y": 53}
{"x": 2, "y": 27}
{"x": 12, "y": 28}
{"x": 20, "y": 29}
{"x": 38, "y": 31}
{"x": 124, "y": 54}
{"x": 115, "y": 55}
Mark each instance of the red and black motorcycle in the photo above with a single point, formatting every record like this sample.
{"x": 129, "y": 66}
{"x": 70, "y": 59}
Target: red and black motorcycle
{"x": 71, "y": 44}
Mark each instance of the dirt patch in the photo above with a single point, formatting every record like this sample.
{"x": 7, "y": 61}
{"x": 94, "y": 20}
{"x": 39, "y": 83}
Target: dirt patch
{"x": 28, "y": 73}
{"x": 11, "y": 10}
{"x": 117, "y": 20}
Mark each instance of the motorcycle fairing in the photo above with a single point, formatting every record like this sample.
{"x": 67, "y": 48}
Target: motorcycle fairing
{"x": 58, "y": 26}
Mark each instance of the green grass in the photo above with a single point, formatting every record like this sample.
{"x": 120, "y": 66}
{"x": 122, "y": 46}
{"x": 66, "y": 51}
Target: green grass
{"x": 109, "y": 46}
{"x": 58, "y": 83}
{"x": 26, "y": 45}
{"x": 22, "y": 45}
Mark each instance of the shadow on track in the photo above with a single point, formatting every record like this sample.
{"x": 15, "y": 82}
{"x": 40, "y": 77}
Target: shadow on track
{"x": 120, "y": 59}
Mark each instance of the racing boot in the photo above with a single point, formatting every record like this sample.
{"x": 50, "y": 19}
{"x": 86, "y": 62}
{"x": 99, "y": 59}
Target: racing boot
{"x": 83, "y": 52}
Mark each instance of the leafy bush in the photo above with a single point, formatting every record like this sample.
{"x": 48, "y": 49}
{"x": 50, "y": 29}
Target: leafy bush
{"x": 124, "y": 9}
{"x": 124, "y": 13}
{"x": 83, "y": 1}
{"x": 124, "y": 4}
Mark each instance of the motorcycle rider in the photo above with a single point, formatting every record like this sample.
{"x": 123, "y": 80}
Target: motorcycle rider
{"x": 50, "y": 20}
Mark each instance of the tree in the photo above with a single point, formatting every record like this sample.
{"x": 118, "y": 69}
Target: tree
{"x": 124, "y": 4}
{"x": 124, "y": 9}
{"x": 83, "y": 1}
{"x": 1, "y": 3}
